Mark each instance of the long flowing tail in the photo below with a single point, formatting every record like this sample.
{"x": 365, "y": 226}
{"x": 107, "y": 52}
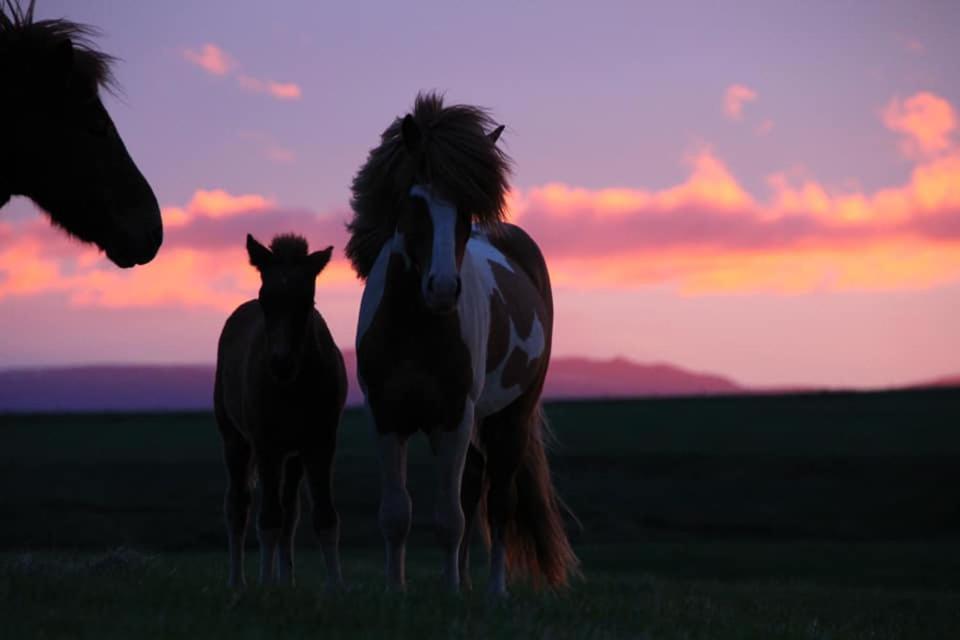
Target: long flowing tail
{"x": 536, "y": 539}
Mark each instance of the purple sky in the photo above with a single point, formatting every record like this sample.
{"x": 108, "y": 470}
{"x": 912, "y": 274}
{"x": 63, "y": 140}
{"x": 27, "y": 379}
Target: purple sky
{"x": 595, "y": 96}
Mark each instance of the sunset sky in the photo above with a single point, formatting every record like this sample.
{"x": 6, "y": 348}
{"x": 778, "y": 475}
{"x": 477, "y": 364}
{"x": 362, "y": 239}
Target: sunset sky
{"x": 766, "y": 190}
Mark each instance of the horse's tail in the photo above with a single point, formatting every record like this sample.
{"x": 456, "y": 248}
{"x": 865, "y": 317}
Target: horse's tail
{"x": 536, "y": 539}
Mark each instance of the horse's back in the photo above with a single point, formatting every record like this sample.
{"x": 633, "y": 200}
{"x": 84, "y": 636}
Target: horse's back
{"x": 520, "y": 248}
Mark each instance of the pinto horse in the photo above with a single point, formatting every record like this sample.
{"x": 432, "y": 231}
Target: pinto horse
{"x": 278, "y": 396}
{"x": 60, "y": 147}
{"x": 454, "y": 339}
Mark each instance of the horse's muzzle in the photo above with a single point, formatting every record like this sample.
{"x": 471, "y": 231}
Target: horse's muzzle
{"x": 128, "y": 250}
{"x": 441, "y": 294}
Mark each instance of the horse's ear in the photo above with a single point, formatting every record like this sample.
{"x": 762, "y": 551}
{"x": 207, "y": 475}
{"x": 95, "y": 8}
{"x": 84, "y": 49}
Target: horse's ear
{"x": 260, "y": 256}
{"x": 319, "y": 259}
{"x": 410, "y": 132}
{"x": 495, "y": 134}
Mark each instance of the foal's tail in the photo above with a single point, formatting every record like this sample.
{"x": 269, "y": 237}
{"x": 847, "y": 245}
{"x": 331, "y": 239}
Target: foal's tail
{"x": 536, "y": 540}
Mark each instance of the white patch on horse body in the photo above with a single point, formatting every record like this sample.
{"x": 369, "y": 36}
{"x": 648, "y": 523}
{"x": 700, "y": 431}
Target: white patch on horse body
{"x": 494, "y": 396}
{"x": 373, "y": 291}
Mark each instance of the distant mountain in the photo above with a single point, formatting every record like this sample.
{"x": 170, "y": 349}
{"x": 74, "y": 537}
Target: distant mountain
{"x": 947, "y": 381}
{"x": 172, "y": 388}
{"x": 621, "y": 378}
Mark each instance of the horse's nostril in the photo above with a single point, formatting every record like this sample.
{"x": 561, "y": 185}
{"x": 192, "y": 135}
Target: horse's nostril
{"x": 430, "y": 284}
{"x": 459, "y": 286}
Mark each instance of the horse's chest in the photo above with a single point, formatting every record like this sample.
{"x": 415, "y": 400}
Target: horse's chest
{"x": 416, "y": 371}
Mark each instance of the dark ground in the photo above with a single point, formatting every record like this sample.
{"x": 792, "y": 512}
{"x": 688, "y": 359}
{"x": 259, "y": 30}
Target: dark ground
{"x": 810, "y": 516}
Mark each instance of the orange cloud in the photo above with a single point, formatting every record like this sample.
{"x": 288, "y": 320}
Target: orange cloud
{"x": 214, "y": 204}
{"x": 211, "y": 59}
{"x": 734, "y": 99}
{"x": 708, "y": 234}
{"x": 203, "y": 262}
{"x": 926, "y": 120}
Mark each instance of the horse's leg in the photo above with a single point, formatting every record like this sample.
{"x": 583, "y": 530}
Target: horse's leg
{"x": 451, "y": 450}
{"x": 504, "y": 438}
{"x": 269, "y": 523}
{"x": 237, "y": 454}
{"x": 290, "y": 502}
{"x": 395, "y": 507}
{"x": 326, "y": 522}
{"x": 470, "y": 493}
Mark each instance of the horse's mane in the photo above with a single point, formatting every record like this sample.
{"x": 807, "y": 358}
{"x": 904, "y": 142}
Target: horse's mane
{"x": 289, "y": 246}
{"x": 21, "y": 35}
{"x": 457, "y": 158}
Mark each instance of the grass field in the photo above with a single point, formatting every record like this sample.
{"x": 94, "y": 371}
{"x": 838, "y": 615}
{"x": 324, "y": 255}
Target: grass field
{"x": 817, "y": 516}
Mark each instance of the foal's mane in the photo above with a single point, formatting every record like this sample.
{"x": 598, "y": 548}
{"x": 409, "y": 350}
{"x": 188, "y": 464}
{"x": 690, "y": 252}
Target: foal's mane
{"x": 23, "y": 37}
{"x": 456, "y": 157}
{"x": 289, "y": 247}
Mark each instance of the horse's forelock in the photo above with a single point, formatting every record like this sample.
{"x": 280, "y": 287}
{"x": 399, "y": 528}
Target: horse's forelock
{"x": 458, "y": 157}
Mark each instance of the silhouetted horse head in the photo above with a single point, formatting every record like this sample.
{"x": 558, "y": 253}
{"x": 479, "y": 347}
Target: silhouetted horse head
{"x": 435, "y": 227}
{"x": 288, "y": 276}
{"x": 437, "y": 172}
{"x": 60, "y": 147}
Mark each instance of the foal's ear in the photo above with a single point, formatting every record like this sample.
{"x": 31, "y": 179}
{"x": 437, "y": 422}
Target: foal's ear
{"x": 410, "y": 132}
{"x": 260, "y": 256}
{"x": 319, "y": 259}
{"x": 495, "y": 134}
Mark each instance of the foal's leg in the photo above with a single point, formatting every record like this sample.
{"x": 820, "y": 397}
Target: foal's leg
{"x": 290, "y": 502}
{"x": 269, "y": 523}
{"x": 326, "y": 522}
{"x": 451, "y": 449}
{"x": 470, "y": 494}
{"x": 236, "y": 505}
{"x": 395, "y": 507}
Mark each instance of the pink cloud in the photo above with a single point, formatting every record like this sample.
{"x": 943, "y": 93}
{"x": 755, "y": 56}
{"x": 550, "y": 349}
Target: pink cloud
{"x": 926, "y": 120}
{"x": 203, "y": 262}
{"x": 706, "y": 233}
{"x": 734, "y": 99}
{"x": 216, "y": 61}
{"x": 764, "y": 128}
{"x": 279, "y": 90}
{"x": 211, "y": 59}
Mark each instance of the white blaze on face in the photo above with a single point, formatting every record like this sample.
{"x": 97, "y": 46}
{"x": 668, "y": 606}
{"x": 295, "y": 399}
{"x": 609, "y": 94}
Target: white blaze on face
{"x": 441, "y": 283}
